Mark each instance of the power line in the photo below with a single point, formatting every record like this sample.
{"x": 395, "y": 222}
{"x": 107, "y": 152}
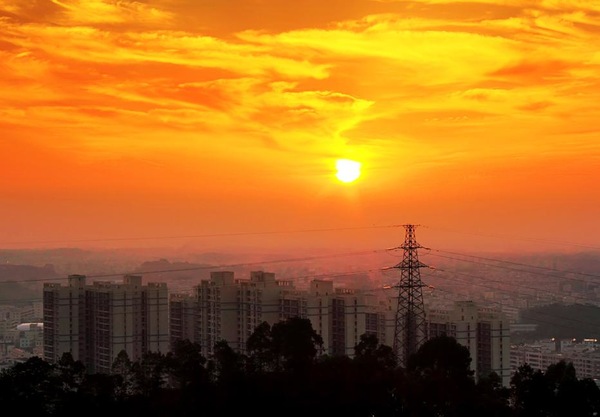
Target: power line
{"x": 206, "y": 235}
{"x": 499, "y": 289}
{"x": 509, "y": 268}
{"x": 208, "y": 267}
{"x": 550, "y": 316}
{"x": 518, "y": 263}
{"x": 216, "y": 267}
{"x": 559, "y": 271}
{"x": 238, "y": 265}
{"x": 502, "y": 305}
{"x": 183, "y": 290}
{"x": 513, "y": 237}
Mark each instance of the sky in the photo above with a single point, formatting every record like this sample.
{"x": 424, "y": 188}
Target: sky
{"x": 170, "y": 122}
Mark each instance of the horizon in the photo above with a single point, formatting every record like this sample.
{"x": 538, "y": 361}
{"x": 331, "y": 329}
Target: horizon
{"x": 296, "y": 241}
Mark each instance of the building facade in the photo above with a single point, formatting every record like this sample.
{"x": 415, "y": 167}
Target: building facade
{"x": 96, "y": 322}
{"x": 584, "y": 355}
{"x": 228, "y": 309}
{"x": 484, "y": 331}
{"x": 224, "y": 308}
{"x": 342, "y": 315}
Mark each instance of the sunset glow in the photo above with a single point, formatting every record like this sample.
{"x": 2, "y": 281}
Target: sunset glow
{"x": 164, "y": 118}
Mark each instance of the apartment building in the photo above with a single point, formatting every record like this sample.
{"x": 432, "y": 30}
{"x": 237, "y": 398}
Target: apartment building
{"x": 342, "y": 315}
{"x": 484, "y": 331}
{"x": 584, "y": 355}
{"x": 96, "y": 322}
{"x": 230, "y": 309}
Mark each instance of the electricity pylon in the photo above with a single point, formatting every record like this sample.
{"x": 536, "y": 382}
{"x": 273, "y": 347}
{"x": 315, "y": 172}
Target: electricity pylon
{"x": 409, "y": 332}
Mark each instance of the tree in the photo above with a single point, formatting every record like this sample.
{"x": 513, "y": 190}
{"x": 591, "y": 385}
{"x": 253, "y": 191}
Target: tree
{"x": 32, "y": 387}
{"x": 442, "y": 356}
{"x": 373, "y": 354}
{"x": 260, "y": 349}
{"x": 150, "y": 374}
{"x": 555, "y": 392}
{"x": 283, "y": 357}
{"x": 226, "y": 364}
{"x": 71, "y": 372}
{"x": 186, "y": 364}
{"x": 98, "y": 395}
{"x": 190, "y": 378}
{"x": 229, "y": 378}
{"x": 438, "y": 380}
{"x": 122, "y": 371}
{"x": 295, "y": 344}
{"x": 375, "y": 366}
{"x": 531, "y": 394}
{"x": 492, "y": 398}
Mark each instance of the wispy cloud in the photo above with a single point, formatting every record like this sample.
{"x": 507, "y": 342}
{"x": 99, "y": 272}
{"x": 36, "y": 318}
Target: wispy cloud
{"x": 430, "y": 77}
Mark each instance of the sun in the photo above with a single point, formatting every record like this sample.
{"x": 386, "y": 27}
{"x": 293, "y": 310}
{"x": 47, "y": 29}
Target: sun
{"x": 347, "y": 170}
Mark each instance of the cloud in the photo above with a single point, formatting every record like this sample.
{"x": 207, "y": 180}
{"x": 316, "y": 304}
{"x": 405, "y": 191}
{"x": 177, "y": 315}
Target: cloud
{"x": 122, "y": 66}
{"x": 88, "y": 12}
{"x": 112, "y": 11}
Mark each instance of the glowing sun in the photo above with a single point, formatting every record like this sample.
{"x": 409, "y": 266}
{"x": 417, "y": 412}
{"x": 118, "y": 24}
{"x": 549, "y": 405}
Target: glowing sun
{"x": 347, "y": 170}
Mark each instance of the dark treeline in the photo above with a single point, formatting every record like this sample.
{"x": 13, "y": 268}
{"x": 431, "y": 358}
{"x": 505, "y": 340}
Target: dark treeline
{"x": 283, "y": 375}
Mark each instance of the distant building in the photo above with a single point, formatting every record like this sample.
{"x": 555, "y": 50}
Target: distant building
{"x": 96, "y": 322}
{"x": 30, "y": 336}
{"x": 523, "y": 327}
{"x": 584, "y": 355}
{"x": 10, "y": 317}
{"x": 33, "y": 312}
{"x": 21, "y": 331}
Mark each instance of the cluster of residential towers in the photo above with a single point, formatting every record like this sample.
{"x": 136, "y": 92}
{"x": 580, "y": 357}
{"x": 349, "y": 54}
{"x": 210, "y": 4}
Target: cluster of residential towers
{"x": 96, "y": 321}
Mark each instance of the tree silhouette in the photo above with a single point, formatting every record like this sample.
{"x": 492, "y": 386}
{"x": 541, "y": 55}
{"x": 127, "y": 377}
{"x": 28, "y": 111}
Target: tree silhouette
{"x": 282, "y": 358}
{"x": 122, "y": 371}
{"x": 71, "y": 372}
{"x": 531, "y": 392}
{"x": 374, "y": 365}
{"x": 556, "y": 392}
{"x": 226, "y": 364}
{"x": 32, "y": 387}
{"x": 150, "y": 374}
{"x": 438, "y": 380}
{"x": 190, "y": 378}
{"x": 186, "y": 364}
{"x": 295, "y": 344}
{"x": 370, "y": 353}
{"x": 260, "y": 349}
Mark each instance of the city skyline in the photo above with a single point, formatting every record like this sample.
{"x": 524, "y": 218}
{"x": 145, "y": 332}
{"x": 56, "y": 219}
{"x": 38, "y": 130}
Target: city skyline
{"x": 157, "y": 123}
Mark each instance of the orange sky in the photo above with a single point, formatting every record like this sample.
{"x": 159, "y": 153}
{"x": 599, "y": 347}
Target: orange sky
{"x": 160, "y": 118}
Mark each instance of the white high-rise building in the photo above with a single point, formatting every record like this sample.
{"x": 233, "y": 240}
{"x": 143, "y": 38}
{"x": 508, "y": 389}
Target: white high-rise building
{"x": 341, "y": 316}
{"x": 485, "y": 332}
{"x": 229, "y": 309}
{"x": 96, "y": 322}
{"x": 64, "y": 319}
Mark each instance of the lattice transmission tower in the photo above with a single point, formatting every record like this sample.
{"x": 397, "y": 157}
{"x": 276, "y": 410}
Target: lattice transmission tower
{"x": 410, "y": 331}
